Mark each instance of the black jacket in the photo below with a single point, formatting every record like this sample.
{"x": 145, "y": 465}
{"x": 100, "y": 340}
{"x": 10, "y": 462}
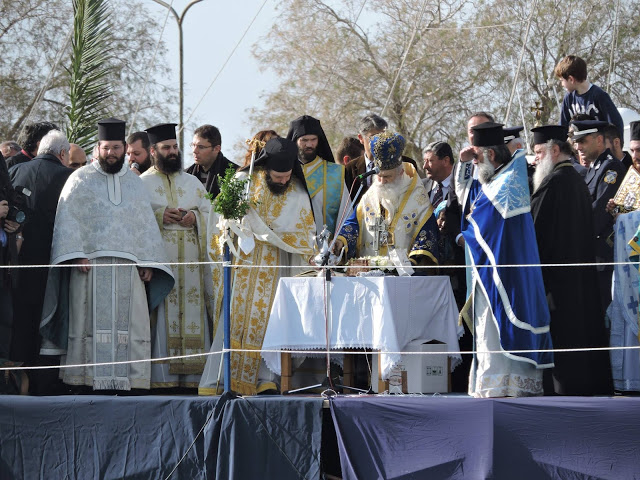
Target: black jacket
{"x": 17, "y": 159}
{"x": 217, "y": 170}
{"x": 603, "y": 179}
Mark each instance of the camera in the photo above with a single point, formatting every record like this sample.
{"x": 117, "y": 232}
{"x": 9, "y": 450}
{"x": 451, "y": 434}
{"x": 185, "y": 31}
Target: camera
{"x": 17, "y": 199}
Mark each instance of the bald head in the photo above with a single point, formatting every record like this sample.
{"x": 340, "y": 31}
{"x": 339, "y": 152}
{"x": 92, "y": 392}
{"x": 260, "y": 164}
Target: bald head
{"x": 77, "y": 157}
{"x": 9, "y": 149}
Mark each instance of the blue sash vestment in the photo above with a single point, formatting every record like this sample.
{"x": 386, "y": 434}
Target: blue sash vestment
{"x": 327, "y": 179}
{"x": 499, "y": 231}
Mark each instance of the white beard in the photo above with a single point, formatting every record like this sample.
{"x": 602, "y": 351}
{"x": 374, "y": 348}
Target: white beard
{"x": 485, "y": 172}
{"x": 389, "y": 195}
{"x": 542, "y": 171}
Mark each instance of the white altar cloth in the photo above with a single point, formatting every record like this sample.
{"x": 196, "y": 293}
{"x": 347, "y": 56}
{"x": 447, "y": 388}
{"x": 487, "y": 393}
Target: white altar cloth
{"x": 382, "y": 313}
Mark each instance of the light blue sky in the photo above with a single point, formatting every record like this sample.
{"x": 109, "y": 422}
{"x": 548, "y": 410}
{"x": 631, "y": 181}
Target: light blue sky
{"x": 212, "y": 28}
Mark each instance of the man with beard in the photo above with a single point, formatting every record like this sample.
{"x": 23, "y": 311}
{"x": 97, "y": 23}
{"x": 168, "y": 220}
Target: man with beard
{"x": 614, "y": 142}
{"x": 325, "y": 179}
{"x": 181, "y": 208}
{"x": 507, "y": 308}
{"x": 44, "y": 176}
{"x": 279, "y": 230}
{"x": 562, "y": 217}
{"x": 98, "y": 311}
{"x": 368, "y": 127}
{"x": 138, "y": 151}
{"x": 209, "y": 162}
{"x": 540, "y": 150}
{"x": 603, "y": 179}
{"x": 398, "y": 205}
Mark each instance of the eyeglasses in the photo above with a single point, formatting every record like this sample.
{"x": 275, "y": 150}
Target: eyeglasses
{"x": 200, "y": 147}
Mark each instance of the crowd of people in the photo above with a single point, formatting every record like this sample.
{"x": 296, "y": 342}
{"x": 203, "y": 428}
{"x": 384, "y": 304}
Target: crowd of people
{"x": 121, "y": 254}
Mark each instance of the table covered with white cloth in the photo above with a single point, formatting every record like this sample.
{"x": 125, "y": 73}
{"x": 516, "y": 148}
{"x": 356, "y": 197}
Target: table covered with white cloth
{"x": 380, "y": 313}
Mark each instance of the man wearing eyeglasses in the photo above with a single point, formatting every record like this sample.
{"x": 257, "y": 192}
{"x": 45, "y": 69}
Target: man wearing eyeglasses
{"x": 209, "y": 162}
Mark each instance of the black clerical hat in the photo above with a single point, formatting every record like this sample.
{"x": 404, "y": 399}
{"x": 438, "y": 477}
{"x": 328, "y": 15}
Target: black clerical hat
{"x": 278, "y": 154}
{"x": 161, "y": 132}
{"x": 582, "y": 128}
{"x": 550, "y": 132}
{"x": 511, "y": 133}
{"x": 634, "y": 131}
{"x": 488, "y": 134}
{"x": 307, "y": 125}
{"x": 111, "y": 129}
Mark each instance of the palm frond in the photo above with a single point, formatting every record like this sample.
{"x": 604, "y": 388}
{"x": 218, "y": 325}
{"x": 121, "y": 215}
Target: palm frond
{"x": 89, "y": 90}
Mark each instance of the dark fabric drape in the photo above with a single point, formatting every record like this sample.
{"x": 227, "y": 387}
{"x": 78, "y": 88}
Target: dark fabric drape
{"x": 456, "y": 438}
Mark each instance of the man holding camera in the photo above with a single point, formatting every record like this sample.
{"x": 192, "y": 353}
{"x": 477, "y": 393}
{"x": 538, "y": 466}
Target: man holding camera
{"x": 6, "y": 307}
{"x": 37, "y": 185}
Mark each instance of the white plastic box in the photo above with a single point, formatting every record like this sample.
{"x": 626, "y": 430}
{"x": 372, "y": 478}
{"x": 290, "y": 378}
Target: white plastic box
{"x": 425, "y": 373}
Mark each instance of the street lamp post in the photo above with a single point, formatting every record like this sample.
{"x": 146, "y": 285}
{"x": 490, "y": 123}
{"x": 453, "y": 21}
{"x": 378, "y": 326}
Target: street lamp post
{"x": 180, "y": 20}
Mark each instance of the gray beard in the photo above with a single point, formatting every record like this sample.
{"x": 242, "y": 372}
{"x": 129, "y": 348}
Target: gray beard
{"x": 485, "y": 172}
{"x": 542, "y": 171}
{"x": 389, "y": 195}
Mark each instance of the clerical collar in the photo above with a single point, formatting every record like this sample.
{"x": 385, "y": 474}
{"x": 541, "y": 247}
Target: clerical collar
{"x": 114, "y": 189}
{"x": 563, "y": 163}
{"x": 498, "y": 168}
{"x": 309, "y": 163}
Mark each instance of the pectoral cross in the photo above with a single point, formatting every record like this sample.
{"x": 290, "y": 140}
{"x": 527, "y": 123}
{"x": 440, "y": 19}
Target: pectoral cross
{"x": 380, "y": 233}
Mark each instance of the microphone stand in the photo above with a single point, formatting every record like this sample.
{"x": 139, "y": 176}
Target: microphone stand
{"x": 326, "y": 382}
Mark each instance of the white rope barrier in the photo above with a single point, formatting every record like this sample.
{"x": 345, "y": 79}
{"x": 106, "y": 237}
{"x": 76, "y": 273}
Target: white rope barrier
{"x": 320, "y": 351}
{"x": 316, "y": 267}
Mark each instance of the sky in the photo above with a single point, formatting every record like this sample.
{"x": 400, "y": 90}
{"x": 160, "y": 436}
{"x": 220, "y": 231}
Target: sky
{"x": 212, "y": 28}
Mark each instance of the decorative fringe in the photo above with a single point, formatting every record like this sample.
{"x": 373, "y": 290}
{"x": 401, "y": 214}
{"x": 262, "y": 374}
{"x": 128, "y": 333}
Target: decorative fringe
{"x": 121, "y": 383}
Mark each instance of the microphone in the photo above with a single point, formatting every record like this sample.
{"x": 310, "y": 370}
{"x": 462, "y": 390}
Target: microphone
{"x": 375, "y": 171}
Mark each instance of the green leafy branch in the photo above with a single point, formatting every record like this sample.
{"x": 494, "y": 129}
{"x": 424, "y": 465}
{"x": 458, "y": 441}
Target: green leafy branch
{"x": 231, "y": 202}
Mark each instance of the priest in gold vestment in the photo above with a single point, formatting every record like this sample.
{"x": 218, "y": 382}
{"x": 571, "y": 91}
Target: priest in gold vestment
{"x": 394, "y": 218}
{"x": 181, "y": 210}
{"x": 279, "y": 230}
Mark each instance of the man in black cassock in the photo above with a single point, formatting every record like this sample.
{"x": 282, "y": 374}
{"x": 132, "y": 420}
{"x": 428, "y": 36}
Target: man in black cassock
{"x": 563, "y": 219}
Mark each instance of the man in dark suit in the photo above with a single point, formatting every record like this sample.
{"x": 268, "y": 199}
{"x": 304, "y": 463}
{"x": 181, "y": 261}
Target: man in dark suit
{"x": 603, "y": 179}
{"x": 369, "y": 127}
{"x": 438, "y": 166}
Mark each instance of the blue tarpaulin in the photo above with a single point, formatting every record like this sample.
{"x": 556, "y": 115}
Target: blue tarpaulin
{"x": 102, "y": 437}
{"x": 464, "y": 438}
